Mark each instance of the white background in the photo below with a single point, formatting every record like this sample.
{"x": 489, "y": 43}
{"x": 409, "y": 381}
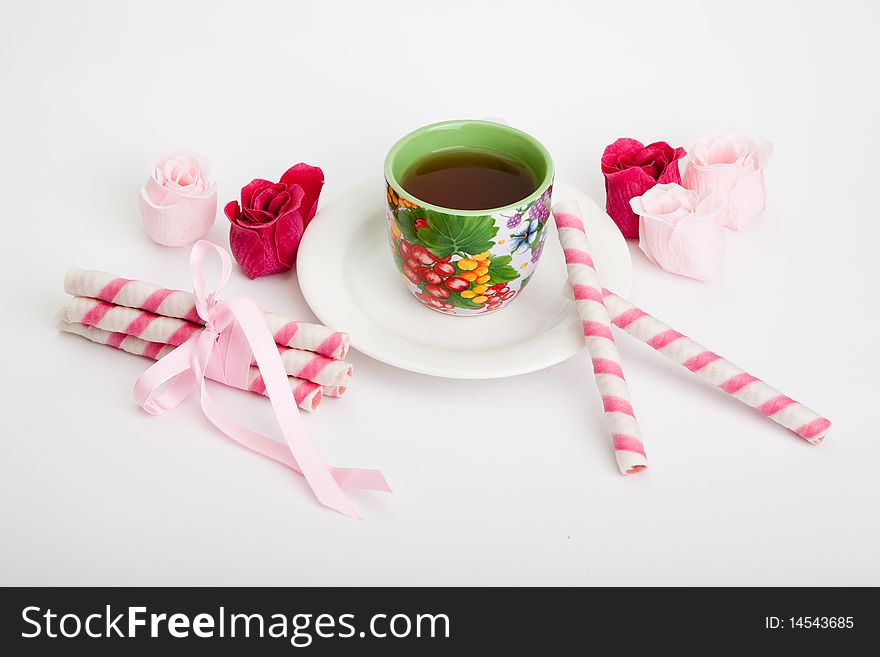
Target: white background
{"x": 497, "y": 482}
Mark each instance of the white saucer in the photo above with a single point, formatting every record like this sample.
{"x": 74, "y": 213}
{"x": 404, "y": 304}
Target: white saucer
{"x": 349, "y": 280}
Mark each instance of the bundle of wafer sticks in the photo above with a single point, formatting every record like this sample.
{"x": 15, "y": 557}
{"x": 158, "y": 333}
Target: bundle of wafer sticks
{"x": 147, "y": 320}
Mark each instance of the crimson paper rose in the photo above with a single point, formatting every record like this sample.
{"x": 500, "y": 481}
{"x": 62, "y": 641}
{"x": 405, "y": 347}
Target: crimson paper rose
{"x": 268, "y": 226}
{"x": 630, "y": 170}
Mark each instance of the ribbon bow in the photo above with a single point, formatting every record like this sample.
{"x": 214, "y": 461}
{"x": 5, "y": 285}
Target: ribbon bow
{"x": 234, "y": 332}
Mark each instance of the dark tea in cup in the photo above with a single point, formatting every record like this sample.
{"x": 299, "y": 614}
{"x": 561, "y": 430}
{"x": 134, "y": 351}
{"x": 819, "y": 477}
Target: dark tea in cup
{"x": 469, "y": 179}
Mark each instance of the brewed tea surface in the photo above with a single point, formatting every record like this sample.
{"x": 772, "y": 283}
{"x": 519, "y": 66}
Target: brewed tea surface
{"x": 469, "y": 179}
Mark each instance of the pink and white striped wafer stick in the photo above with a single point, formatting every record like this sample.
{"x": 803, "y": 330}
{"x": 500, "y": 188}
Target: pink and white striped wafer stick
{"x": 334, "y": 391}
{"x": 708, "y": 365}
{"x": 625, "y": 434}
{"x": 308, "y": 365}
{"x": 172, "y": 331}
{"x": 180, "y": 304}
{"x": 306, "y": 393}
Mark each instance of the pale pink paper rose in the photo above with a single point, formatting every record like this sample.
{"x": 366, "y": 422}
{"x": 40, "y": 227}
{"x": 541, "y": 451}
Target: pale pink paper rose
{"x": 179, "y": 201}
{"x": 730, "y": 166}
{"x": 680, "y": 231}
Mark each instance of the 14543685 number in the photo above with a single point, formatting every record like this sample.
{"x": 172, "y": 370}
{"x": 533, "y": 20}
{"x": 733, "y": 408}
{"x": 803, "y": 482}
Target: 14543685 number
{"x": 821, "y": 622}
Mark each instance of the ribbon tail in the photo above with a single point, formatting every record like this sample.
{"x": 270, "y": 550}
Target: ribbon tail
{"x": 360, "y": 479}
{"x": 351, "y": 478}
{"x": 259, "y": 443}
{"x": 175, "y": 367}
{"x": 315, "y": 471}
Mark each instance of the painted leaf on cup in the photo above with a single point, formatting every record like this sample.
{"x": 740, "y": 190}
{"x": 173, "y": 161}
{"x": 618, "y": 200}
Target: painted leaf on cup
{"x": 406, "y": 222}
{"x": 459, "y": 301}
{"x": 444, "y": 235}
{"x": 398, "y": 260}
{"x": 500, "y": 270}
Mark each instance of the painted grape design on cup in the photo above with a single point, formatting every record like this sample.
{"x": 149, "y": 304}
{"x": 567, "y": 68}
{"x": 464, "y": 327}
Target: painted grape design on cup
{"x": 439, "y": 279}
{"x": 540, "y": 209}
{"x": 449, "y": 258}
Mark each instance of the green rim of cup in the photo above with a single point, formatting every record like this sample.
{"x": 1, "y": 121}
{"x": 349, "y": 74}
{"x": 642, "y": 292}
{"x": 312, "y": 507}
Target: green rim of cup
{"x": 453, "y": 135}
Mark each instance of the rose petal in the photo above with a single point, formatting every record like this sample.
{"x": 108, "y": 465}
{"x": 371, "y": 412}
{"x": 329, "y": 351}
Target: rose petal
{"x": 730, "y": 149}
{"x": 311, "y": 180}
{"x": 248, "y": 191}
{"x": 288, "y": 234}
{"x": 671, "y": 173}
{"x": 727, "y": 150}
{"x": 730, "y": 166}
{"x": 179, "y": 223}
{"x": 256, "y": 217}
{"x": 653, "y": 237}
{"x": 620, "y": 187}
{"x": 693, "y": 247}
{"x": 746, "y": 200}
{"x": 297, "y": 198}
{"x": 254, "y": 249}
{"x": 718, "y": 181}
{"x": 158, "y": 193}
{"x": 613, "y": 152}
{"x": 665, "y": 149}
{"x": 184, "y": 173}
{"x": 668, "y": 214}
{"x": 263, "y": 197}
{"x": 182, "y": 167}
{"x": 653, "y": 170}
{"x": 637, "y": 205}
{"x": 668, "y": 203}
{"x": 696, "y": 247}
{"x": 277, "y": 205}
{"x": 650, "y": 155}
{"x": 625, "y": 161}
{"x": 266, "y": 248}
{"x": 232, "y": 211}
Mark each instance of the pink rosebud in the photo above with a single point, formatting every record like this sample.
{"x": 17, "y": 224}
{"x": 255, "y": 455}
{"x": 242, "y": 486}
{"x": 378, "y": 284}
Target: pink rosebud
{"x": 267, "y": 228}
{"x": 680, "y": 231}
{"x": 630, "y": 170}
{"x": 731, "y": 167}
{"x": 178, "y": 202}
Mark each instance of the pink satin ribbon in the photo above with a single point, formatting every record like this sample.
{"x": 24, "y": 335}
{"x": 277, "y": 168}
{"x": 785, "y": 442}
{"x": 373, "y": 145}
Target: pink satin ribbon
{"x": 235, "y": 330}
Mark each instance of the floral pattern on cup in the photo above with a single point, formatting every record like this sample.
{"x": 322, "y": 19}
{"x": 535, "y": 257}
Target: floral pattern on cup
{"x": 465, "y": 264}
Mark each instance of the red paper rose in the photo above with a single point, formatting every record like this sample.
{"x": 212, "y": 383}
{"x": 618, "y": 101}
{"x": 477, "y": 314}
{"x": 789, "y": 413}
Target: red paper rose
{"x": 630, "y": 170}
{"x": 268, "y": 226}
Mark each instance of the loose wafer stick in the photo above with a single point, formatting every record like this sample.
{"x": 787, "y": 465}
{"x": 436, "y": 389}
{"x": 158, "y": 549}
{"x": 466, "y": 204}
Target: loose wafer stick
{"x": 170, "y": 330}
{"x": 718, "y": 371}
{"x": 625, "y": 434}
{"x": 306, "y": 393}
{"x": 180, "y": 304}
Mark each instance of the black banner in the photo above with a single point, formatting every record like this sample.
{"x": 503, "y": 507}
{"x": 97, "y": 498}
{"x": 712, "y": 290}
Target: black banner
{"x": 421, "y": 621}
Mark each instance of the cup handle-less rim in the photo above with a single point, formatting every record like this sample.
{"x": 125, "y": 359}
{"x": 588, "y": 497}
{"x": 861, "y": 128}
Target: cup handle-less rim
{"x": 498, "y": 125}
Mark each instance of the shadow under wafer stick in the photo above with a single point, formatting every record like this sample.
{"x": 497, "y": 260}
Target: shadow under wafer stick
{"x": 173, "y": 331}
{"x": 307, "y": 394}
{"x": 181, "y": 305}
